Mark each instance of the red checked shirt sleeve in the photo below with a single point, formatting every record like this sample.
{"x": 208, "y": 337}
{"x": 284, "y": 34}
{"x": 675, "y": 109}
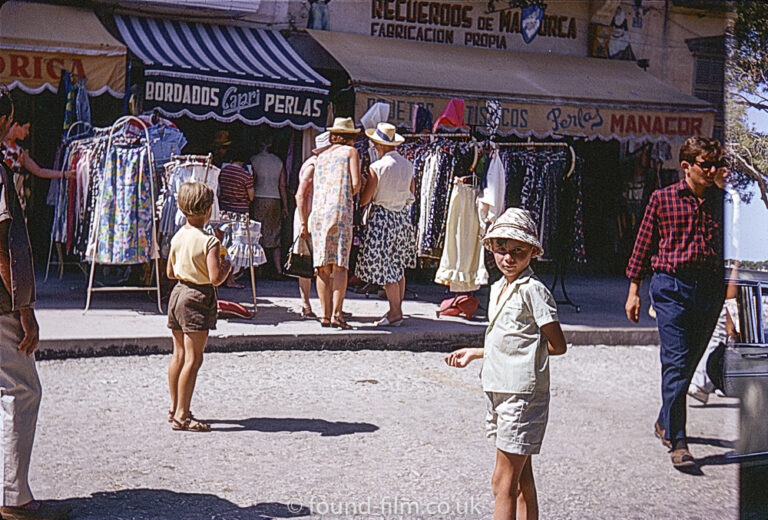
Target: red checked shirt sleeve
{"x": 646, "y": 243}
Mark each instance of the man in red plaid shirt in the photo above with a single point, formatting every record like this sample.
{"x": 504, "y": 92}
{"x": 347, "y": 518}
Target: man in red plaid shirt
{"x": 680, "y": 244}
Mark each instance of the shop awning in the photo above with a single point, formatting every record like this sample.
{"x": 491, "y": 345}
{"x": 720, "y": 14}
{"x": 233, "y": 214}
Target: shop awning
{"x": 541, "y": 95}
{"x": 38, "y": 41}
{"x": 226, "y": 73}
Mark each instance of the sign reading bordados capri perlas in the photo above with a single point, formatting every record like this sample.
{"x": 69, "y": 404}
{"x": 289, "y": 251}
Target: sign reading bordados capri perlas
{"x": 254, "y": 104}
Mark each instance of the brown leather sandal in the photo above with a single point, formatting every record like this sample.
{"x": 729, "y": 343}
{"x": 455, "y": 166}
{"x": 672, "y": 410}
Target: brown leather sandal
{"x": 172, "y": 414}
{"x": 191, "y": 425}
{"x": 339, "y": 323}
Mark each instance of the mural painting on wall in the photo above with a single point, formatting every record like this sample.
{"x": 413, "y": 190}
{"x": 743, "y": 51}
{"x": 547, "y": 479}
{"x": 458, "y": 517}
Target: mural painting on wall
{"x": 463, "y": 23}
{"x": 612, "y": 41}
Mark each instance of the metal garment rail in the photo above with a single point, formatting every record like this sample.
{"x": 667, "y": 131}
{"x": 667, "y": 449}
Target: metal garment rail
{"x": 560, "y": 265}
{"x": 225, "y": 217}
{"x": 97, "y": 215}
{"x": 230, "y": 217}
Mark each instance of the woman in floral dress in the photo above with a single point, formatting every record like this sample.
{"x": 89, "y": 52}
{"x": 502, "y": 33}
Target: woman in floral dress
{"x": 336, "y": 181}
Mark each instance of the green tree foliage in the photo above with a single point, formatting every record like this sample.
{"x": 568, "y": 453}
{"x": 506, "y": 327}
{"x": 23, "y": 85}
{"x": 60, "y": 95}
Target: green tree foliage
{"x": 747, "y": 87}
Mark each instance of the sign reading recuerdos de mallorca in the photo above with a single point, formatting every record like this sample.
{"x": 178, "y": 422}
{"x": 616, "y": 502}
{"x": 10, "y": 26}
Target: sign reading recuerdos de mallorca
{"x": 471, "y": 23}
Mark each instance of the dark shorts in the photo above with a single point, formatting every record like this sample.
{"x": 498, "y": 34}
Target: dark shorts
{"x": 192, "y": 307}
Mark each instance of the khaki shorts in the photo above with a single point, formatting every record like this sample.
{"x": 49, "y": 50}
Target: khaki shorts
{"x": 192, "y": 307}
{"x": 517, "y": 422}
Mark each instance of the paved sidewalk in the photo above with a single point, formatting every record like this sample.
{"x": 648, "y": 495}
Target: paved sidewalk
{"x": 128, "y": 323}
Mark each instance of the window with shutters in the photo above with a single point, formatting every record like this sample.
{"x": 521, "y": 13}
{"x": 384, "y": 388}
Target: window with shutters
{"x": 709, "y": 75}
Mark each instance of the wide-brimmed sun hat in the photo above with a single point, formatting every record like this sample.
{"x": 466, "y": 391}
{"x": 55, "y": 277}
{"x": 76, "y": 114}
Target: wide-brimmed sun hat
{"x": 343, "y": 125}
{"x": 515, "y": 224}
{"x": 322, "y": 142}
{"x": 385, "y": 134}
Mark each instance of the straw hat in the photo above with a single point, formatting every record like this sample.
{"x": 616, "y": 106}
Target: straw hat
{"x": 385, "y": 134}
{"x": 343, "y": 125}
{"x": 322, "y": 142}
{"x": 222, "y": 138}
{"x": 515, "y": 224}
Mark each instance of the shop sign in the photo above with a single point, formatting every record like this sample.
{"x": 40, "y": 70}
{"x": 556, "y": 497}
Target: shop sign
{"x": 34, "y": 71}
{"x": 549, "y": 119}
{"x": 468, "y": 23}
{"x": 248, "y": 103}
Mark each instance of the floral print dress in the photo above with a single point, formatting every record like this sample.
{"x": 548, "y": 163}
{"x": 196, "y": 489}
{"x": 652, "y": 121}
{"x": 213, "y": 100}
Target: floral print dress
{"x": 330, "y": 223}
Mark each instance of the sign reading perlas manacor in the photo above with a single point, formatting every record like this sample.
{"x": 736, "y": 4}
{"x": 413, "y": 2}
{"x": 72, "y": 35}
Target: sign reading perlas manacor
{"x": 547, "y": 119}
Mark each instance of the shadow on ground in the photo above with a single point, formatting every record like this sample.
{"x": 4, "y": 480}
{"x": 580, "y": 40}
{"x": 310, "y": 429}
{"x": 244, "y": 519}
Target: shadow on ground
{"x": 163, "y": 504}
{"x": 711, "y": 442}
{"x": 274, "y": 425}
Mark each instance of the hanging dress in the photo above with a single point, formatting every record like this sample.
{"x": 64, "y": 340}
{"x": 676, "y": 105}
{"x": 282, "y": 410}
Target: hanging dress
{"x": 462, "y": 265}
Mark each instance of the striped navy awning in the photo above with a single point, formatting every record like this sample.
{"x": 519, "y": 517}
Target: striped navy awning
{"x": 225, "y": 72}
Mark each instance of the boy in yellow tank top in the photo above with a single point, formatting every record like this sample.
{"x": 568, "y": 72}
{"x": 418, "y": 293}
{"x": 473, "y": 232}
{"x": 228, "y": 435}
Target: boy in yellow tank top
{"x": 195, "y": 260}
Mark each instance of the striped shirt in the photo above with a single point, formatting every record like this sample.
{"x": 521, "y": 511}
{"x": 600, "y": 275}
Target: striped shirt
{"x": 234, "y": 183}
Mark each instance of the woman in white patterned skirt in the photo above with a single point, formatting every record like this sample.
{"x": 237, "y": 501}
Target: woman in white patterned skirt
{"x": 388, "y": 241}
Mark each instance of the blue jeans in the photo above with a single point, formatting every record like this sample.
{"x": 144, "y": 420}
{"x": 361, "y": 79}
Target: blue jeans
{"x": 687, "y": 309}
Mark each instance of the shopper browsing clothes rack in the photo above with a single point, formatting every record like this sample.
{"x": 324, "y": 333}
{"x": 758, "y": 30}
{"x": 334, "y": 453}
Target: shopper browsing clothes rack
{"x": 270, "y": 202}
{"x": 236, "y": 194}
{"x": 388, "y": 242}
{"x": 336, "y": 182}
{"x": 18, "y": 160}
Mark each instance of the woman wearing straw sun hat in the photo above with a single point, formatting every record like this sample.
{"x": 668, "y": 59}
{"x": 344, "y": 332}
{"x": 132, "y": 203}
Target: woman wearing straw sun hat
{"x": 336, "y": 181}
{"x": 388, "y": 241}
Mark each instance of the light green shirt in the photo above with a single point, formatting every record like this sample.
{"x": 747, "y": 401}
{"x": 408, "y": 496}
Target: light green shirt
{"x": 515, "y": 359}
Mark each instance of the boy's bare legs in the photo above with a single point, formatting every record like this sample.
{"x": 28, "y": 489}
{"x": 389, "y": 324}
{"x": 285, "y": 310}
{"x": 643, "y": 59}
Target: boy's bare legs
{"x": 527, "y": 499}
{"x": 305, "y": 286}
{"x": 504, "y": 483}
{"x": 174, "y": 368}
{"x": 339, "y": 290}
{"x": 324, "y": 290}
{"x": 194, "y": 345}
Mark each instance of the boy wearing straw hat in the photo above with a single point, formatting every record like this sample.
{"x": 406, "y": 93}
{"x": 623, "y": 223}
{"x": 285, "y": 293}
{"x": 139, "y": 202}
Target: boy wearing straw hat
{"x": 522, "y": 333}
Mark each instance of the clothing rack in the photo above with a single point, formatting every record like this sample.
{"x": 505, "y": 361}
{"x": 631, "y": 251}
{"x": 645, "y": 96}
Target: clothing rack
{"x": 560, "y": 267}
{"x": 224, "y": 216}
{"x": 206, "y": 160}
{"x": 230, "y": 217}
{"x": 97, "y": 214}
{"x": 572, "y": 165}
{"x": 59, "y": 252}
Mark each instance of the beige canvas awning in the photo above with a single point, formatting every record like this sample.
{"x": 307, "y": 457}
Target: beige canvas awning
{"x": 541, "y": 95}
{"x": 38, "y": 41}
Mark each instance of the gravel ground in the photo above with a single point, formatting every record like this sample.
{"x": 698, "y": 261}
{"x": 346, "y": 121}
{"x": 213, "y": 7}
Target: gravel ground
{"x": 368, "y": 434}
